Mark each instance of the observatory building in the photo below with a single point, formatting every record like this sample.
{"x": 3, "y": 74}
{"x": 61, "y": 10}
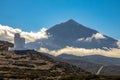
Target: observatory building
{"x": 19, "y": 42}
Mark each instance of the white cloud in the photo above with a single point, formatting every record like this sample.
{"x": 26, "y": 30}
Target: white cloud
{"x": 83, "y": 52}
{"x": 118, "y": 43}
{"x": 7, "y": 34}
{"x": 94, "y": 36}
{"x": 98, "y": 36}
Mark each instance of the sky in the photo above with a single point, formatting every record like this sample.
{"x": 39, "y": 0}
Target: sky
{"x": 32, "y": 15}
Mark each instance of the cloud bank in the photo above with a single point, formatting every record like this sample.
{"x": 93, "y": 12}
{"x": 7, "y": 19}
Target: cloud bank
{"x": 114, "y": 52}
{"x": 7, "y": 34}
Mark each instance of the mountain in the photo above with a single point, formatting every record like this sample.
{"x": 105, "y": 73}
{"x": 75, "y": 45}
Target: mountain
{"x": 92, "y": 63}
{"x": 75, "y": 60}
{"x": 74, "y": 34}
{"x": 97, "y": 59}
{"x": 71, "y": 33}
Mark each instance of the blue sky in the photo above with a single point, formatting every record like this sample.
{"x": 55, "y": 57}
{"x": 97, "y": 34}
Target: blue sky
{"x": 32, "y": 15}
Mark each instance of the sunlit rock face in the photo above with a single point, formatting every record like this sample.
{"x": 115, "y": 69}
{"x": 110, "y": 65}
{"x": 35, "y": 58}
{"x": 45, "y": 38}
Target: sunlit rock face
{"x": 19, "y": 42}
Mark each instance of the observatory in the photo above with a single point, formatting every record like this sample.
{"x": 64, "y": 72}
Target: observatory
{"x": 19, "y": 42}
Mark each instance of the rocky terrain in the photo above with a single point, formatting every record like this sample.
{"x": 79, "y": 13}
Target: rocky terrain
{"x": 32, "y": 65}
{"x": 23, "y": 64}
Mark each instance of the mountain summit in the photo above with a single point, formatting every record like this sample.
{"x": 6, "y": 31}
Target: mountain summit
{"x": 71, "y": 21}
{"x": 71, "y": 29}
{"x": 71, "y": 33}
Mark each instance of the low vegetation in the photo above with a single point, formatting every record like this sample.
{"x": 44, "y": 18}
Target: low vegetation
{"x": 4, "y": 45}
{"x": 32, "y": 65}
